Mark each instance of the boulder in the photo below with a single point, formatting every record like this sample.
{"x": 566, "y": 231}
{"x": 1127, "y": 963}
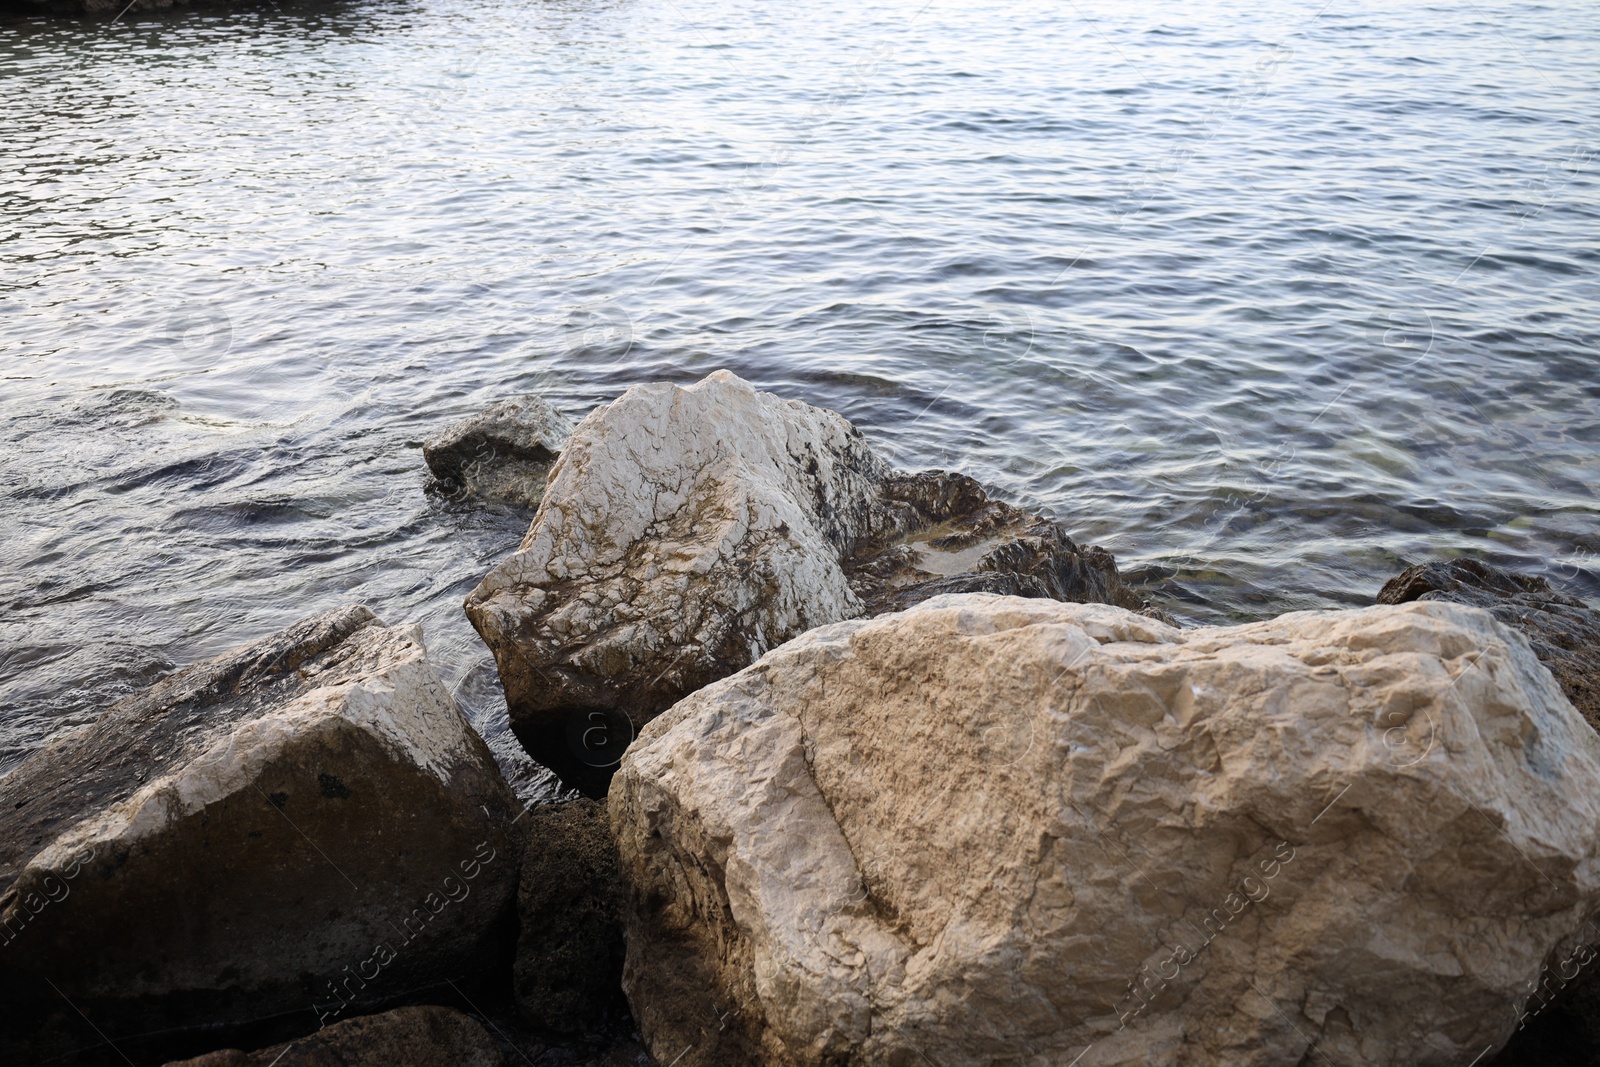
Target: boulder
{"x": 1561, "y": 1019}
{"x": 405, "y": 1037}
{"x": 302, "y": 826}
{"x": 1563, "y": 630}
{"x": 502, "y": 453}
{"x": 997, "y": 830}
{"x": 568, "y": 969}
{"x": 686, "y": 531}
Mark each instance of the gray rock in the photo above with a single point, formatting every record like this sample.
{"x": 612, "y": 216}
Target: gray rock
{"x": 503, "y": 453}
{"x": 405, "y": 1037}
{"x": 304, "y": 825}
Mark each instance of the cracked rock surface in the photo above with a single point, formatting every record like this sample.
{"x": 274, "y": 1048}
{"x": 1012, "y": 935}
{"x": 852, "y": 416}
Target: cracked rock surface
{"x": 686, "y": 531}
{"x": 235, "y": 843}
{"x": 993, "y": 830}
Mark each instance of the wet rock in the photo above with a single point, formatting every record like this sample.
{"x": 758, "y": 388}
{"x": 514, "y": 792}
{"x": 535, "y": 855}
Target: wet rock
{"x": 995, "y": 830}
{"x": 304, "y": 825}
{"x": 568, "y": 970}
{"x": 938, "y": 532}
{"x": 502, "y": 453}
{"x": 108, "y": 9}
{"x": 405, "y": 1037}
{"x": 685, "y": 531}
{"x": 1563, "y": 630}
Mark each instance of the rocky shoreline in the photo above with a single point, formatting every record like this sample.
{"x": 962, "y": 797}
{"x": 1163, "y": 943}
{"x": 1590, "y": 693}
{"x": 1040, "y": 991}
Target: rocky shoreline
{"x": 876, "y": 769}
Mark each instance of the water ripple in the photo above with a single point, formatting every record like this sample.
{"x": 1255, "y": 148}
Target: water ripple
{"x": 1267, "y": 301}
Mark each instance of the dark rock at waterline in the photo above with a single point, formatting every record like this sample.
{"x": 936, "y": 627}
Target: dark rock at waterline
{"x": 946, "y": 535}
{"x": 568, "y": 970}
{"x": 296, "y": 829}
{"x": 405, "y": 1037}
{"x": 502, "y": 453}
{"x": 1563, "y": 630}
{"x": 686, "y": 531}
{"x": 102, "y": 9}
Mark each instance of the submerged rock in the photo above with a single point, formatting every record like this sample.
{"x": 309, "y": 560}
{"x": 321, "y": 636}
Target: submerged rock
{"x": 502, "y": 453}
{"x": 994, "y": 830}
{"x": 1563, "y": 630}
{"x": 686, "y": 531}
{"x": 404, "y": 1037}
{"x": 303, "y": 825}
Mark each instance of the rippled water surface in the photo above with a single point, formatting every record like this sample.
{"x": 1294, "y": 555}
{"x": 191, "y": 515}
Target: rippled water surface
{"x": 1267, "y": 298}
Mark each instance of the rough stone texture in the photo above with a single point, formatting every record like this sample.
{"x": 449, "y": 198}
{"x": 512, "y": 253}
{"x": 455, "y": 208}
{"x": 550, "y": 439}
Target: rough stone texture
{"x": 227, "y": 845}
{"x": 938, "y": 532}
{"x": 1001, "y": 831}
{"x": 503, "y": 453}
{"x": 685, "y": 531}
{"x": 405, "y": 1037}
{"x": 568, "y": 970}
{"x": 1563, "y": 630}
{"x": 1561, "y": 1023}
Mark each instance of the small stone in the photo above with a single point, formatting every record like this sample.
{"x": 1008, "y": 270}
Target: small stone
{"x": 503, "y": 453}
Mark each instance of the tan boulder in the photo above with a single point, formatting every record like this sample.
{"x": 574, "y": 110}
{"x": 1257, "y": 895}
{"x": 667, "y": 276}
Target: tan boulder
{"x": 991, "y": 830}
{"x": 1563, "y": 631}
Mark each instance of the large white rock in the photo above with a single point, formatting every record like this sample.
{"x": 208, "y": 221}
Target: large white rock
{"x": 991, "y": 830}
{"x": 686, "y": 531}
